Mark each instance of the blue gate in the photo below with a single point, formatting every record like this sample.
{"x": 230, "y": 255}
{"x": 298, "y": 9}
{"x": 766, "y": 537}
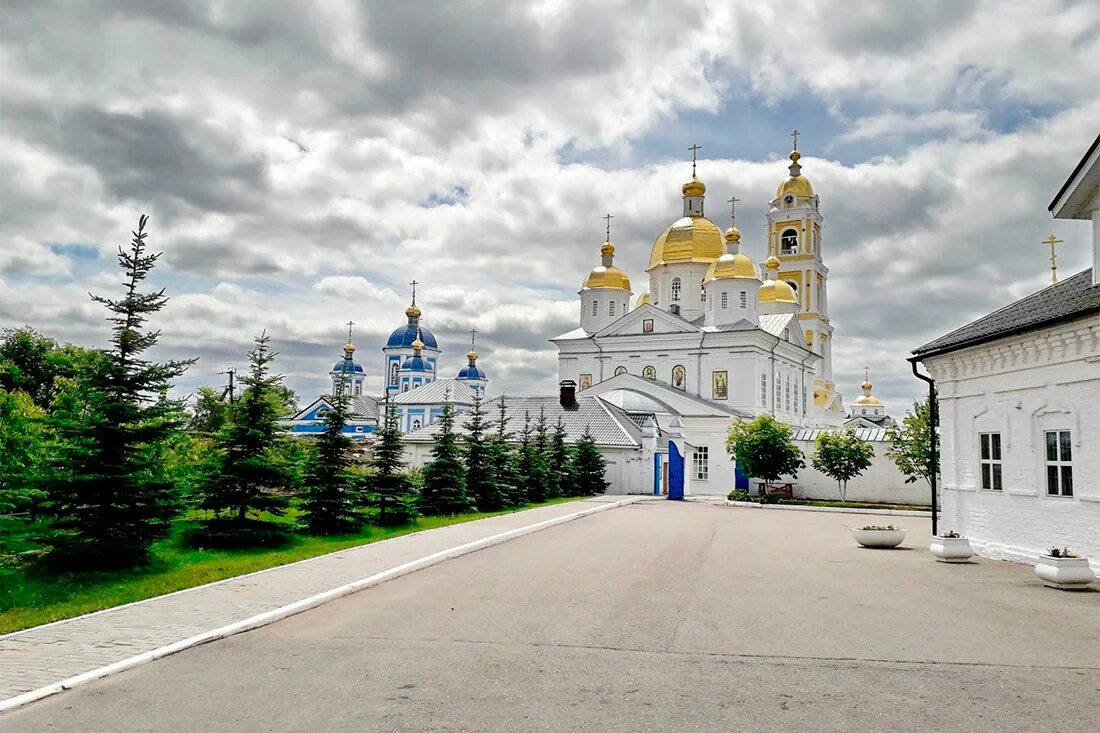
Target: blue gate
{"x": 675, "y": 472}
{"x": 740, "y": 479}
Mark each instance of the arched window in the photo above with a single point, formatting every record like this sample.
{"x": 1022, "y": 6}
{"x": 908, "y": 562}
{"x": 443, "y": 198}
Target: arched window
{"x": 675, "y": 290}
{"x": 794, "y": 289}
{"x": 788, "y": 242}
{"x": 416, "y": 423}
{"x": 649, "y": 373}
{"x": 620, "y": 370}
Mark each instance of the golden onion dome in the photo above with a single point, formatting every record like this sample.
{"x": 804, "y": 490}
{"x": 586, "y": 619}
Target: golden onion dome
{"x": 732, "y": 266}
{"x": 796, "y": 183}
{"x": 733, "y": 234}
{"x": 691, "y": 239}
{"x": 607, "y": 249}
{"x": 607, "y": 277}
{"x": 643, "y": 299}
{"x": 694, "y": 187}
{"x": 866, "y": 386}
{"x": 471, "y": 355}
{"x": 418, "y": 344}
{"x": 349, "y": 348}
{"x": 772, "y": 263}
{"x": 412, "y": 311}
{"x": 866, "y": 399}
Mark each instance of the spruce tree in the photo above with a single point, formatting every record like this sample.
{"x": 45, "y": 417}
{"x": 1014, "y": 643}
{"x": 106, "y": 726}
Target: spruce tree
{"x": 390, "y": 491}
{"x": 482, "y": 486}
{"x": 444, "y": 490}
{"x": 557, "y": 462}
{"x": 107, "y": 490}
{"x": 329, "y": 496}
{"x": 244, "y": 473}
{"x": 588, "y": 468}
{"x": 504, "y": 460}
{"x": 531, "y": 464}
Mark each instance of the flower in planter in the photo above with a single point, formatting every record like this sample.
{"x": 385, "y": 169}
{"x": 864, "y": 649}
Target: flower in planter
{"x": 951, "y": 535}
{"x": 1063, "y": 552}
{"x": 878, "y": 527}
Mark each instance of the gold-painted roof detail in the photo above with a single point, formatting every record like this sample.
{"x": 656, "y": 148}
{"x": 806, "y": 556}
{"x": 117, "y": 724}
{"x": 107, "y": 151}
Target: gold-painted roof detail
{"x": 471, "y": 355}
{"x": 732, "y": 266}
{"x": 694, "y": 187}
{"x": 607, "y": 249}
{"x": 796, "y": 183}
{"x": 418, "y": 344}
{"x": 349, "y": 348}
{"x": 643, "y": 299}
{"x": 607, "y": 277}
{"x": 777, "y": 291}
{"x": 412, "y": 311}
{"x": 690, "y": 239}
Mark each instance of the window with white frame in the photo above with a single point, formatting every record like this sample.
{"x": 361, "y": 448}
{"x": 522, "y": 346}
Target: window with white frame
{"x": 990, "y": 457}
{"x": 744, "y": 299}
{"x": 763, "y": 390}
{"x": 675, "y": 290}
{"x": 610, "y": 307}
{"x": 725, "y": 300}
{"x": 595, "y": 307}
{"x": 701, "y": 462}
{"x": 787, "y": 393}
{"x": 1059, "y": 457}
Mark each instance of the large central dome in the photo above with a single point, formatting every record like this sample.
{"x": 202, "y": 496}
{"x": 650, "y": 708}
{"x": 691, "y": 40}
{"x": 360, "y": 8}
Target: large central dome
{"x": 691, "y": 239}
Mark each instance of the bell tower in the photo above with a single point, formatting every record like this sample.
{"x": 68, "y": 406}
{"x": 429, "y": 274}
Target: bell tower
{"x": 794, "y": 237}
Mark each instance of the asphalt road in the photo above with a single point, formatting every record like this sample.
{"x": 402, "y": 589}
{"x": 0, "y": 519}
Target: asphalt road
{"x": 660, "y": 616}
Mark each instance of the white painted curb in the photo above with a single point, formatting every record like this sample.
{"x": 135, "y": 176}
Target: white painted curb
{"x": 277, "y": 614}
{"x": 831, "y": 509}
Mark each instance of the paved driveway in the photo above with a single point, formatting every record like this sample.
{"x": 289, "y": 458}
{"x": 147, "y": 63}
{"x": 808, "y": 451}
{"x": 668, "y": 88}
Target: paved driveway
{"x": 657, "y": 616}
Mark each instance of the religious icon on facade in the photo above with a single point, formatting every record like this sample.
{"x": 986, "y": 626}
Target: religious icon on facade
{"x": 620, "y": 370}
{"x": 647, "y": 325}
{"x": 678, "y": 376}
{"x": 585, "y": 381}
{"x": 649, "y": 373}
{"x": 720, "y": 386}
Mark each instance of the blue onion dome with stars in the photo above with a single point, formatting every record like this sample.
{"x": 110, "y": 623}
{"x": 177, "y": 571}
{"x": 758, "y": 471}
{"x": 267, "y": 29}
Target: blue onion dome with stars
{"x": 472, "y": 374}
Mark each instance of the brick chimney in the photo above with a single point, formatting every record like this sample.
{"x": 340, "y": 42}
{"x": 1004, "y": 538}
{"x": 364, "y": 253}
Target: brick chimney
{"x": 568, "y": 393}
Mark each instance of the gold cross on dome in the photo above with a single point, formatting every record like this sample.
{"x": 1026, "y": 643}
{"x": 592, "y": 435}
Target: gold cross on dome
{"x": 794, "y": 136}
{"x": 732, "y": 201}
{"x": 414, "y": 283}
{"x": 694, "y": 149}
{"x": 608, "y": 217}
{"x": 1053, "y": 258}
{"x": 350, "y": 324}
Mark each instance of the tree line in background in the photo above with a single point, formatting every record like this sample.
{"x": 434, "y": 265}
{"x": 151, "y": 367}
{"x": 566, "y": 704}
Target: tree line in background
{"x": 764, "y": 448}
{"x": 97, "y": 463}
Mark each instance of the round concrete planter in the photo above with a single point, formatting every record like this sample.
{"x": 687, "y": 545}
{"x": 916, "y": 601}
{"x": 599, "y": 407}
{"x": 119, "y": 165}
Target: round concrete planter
{"x": 879, "y": 538}
{"x": 951, "y": 549}
{"x": 1064, "y": 573}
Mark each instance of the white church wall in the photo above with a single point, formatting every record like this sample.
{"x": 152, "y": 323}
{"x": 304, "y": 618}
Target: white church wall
{"x": 881, "y": 482}
{"x": 1020, "y": 387}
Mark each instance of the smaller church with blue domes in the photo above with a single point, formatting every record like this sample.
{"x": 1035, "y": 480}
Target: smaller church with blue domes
{"x": 411, "y": 383}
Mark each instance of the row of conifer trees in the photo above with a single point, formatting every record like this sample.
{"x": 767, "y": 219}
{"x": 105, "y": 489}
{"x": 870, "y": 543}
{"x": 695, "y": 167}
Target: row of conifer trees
{"x": 96, "y": 465}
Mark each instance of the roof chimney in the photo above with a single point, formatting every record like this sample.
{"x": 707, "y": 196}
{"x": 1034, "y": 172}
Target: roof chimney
{"x": 568, "y": 393}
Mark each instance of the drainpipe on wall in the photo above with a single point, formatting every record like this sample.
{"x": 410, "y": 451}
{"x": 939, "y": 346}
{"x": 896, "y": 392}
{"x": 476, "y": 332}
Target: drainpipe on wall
{"x": 599, "y": 358}
{"x": 934, "y": 423}
{"x": 699, "y": 368}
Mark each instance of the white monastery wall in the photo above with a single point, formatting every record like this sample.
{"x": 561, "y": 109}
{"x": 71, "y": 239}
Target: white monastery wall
{"x": 1020, "y": 387}
{"x": 881, "y": 482}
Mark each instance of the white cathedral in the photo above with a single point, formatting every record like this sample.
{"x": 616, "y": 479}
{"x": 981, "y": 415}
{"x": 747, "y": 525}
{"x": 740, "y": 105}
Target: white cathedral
{"x": 710, "y": 324}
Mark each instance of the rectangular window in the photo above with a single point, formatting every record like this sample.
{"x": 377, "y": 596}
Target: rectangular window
{"x": 1059, "y": 457}
{"x": 610, "y": 307}
{"x": 744, "y": 299}
{"x": 702, "y": 463}
{"x": 725, "y": 300}
{"x": 787, "y": 393}
{"x": 763, "y": 390}
{"x": 990, "y": 458}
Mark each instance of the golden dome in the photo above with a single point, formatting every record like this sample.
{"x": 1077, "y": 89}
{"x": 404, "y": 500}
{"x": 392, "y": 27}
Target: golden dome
{"x": 412, "y": 311}
{"x": 607, "y": 249}
{"x": 643, "y": 299}
{"x": 694, "y": 187}
{"x": 418, "y": 344}
{"x": 866, "y": 386}
{"x": 772, "y": 263}
{"x": 733, "y": 266}
{"x": 607, "y": 277}
{"x": 777, "y": 291}
{"x": 471, "y": 355}
{"x": 691, "y": 239}
{"x": 864, "y": 399}
{"x": 733, "y": 234}
{"x": 349, "y": 348}
{"x": 796, "y": 183}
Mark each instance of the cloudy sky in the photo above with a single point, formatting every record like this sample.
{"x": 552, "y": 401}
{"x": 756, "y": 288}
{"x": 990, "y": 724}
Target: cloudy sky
{"x": 302, "y": 162}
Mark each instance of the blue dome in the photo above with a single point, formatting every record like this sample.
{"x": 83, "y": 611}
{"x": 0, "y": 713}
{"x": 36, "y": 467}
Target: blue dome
{"x": 404, "y": 336}
{"x": 472, "y": 372}
{"x": 415, "y": 364}
{"x": 339, "y": 367}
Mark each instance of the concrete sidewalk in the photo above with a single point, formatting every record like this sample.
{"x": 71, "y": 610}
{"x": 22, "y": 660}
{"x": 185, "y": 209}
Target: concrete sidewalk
{"x": 46, "y": 659}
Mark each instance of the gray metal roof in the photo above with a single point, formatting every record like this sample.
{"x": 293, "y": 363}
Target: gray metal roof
{"x": 1073, "y": 297}
{"x": 610, "y": 426}
{"x": 871, "y": 435}
{"x": 436, "y": 393}
{"x": 363, "y": 407}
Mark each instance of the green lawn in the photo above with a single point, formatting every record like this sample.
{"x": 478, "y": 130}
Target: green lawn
{"x": 29, "y": 598}
{"x": 856, "y": 505}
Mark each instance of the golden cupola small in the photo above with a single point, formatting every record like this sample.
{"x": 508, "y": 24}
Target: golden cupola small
{"x": 733, "y": 265}
{"x": 606, "y": 275}
{"x": 605, "y": 293}
{"x": 796, "y": 183}
{"x": 776, "y": 296}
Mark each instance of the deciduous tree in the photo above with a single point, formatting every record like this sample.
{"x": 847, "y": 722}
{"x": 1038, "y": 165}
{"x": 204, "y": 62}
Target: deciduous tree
{"x": 763, "y": 448}
{"x": 841, "y": 456}
{"x": 911, "y": 444}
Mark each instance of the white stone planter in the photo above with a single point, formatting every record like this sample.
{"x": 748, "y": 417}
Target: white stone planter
{"x": 878, "y": 537}
{"x": 951, "y": 549}
{"x": 1064, "y": 573}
